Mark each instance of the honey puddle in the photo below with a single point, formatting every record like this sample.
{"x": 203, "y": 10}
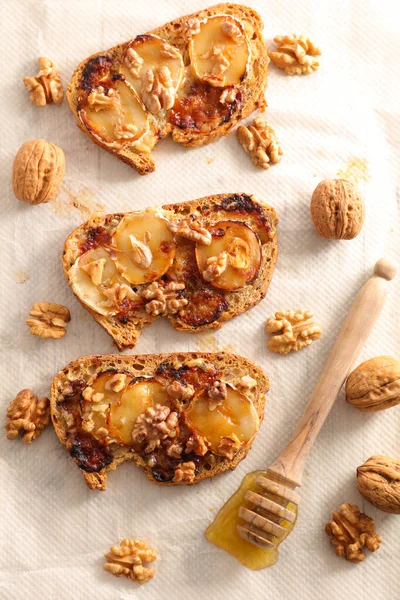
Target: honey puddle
{"x": 223, "y": 533}
{"x": 355, "y": 169}
{"x": 68, "y": 200}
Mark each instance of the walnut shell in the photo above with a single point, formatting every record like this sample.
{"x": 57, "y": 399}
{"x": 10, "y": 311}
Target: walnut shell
{"x": 378, "y": 480}
{"x": 337, "y": 209}
{"x": 38, "y": 171}
{"x": 375, "y": 384}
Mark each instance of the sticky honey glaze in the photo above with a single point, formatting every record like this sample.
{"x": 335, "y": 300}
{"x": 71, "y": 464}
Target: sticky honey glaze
{"x": 223, "y": 531}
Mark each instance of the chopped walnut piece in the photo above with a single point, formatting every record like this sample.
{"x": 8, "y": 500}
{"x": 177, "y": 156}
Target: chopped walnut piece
{"x": 116, "y": 383}
{"x": 158, "y": 91}
{"x": 180, "y": 392}
{"x": 184, "y": 472}
{"x": 95, "y": 270}
{"x": 228, "y": 96}
{"x": 164, "y": 299}
{"x": 49, "y": 320}
{"x": 217, "y": 394}
{"x": 124, "y": 131}
{"x": 27, "y": 414}
{"x": 46, "y": 87}
{"x": 216, "y": 265}
{"x": 220, "y": 66}
{"x": 99, "y": 98}
{"x": 231, "y": 30}
{"x": 191, "y": 27}
{"x": 169, "y": 51}
{"x": 134, "y": 62}
{"x": 87, "y": 394}
{"x": 141, "y": 253}
{"x": 295, "y": 54}
{"x": 191, "y": 230}
{"x": 127, "y": 559}
{"x": 116, "y": 294}
{"x": 350, "y": 531}
{"x": 197, "y": 445}
{"x": 155, "y": 425}
{"x": 260, "y": 142}
{"x": 247, "y": 383}
{"x": 295, "y": 330}
{"x": 229, "y": 446}
{"x": 175, "y": 450}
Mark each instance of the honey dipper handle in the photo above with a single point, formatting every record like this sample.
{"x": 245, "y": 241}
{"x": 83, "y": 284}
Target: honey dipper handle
{"x": 355, "y": 330}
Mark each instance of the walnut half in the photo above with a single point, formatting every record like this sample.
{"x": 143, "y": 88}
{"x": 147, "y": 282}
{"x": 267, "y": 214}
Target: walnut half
{"x": 260, "y": 142}
{"x": 27, "y": 414}
{"x": 350, "y": 531}
{"x": 127, "y": 559}
{"x": 49, "y": 320}
{"x": 296, "y": 54}
{"x": 46, "y": 87}
{"x": 293, "y": 331}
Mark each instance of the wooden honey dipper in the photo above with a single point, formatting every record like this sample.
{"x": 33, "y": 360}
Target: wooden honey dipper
{"x": 268, "y": 514}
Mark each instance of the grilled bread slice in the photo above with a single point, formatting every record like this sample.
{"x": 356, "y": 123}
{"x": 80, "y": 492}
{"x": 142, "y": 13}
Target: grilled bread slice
{"x": 195, "y": 78}
{"x": 182, "y": 247}
{"x": 180, "y": 417}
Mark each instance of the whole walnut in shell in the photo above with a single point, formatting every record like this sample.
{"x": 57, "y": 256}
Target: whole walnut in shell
{"x": 378, "y": 480}
{"x": 375, "y": 384}
{"x": 337, "y": 209}
{"x": 38, "y": 171}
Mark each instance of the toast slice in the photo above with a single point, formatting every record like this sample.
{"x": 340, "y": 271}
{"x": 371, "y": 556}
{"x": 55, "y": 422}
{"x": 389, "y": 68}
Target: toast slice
{"x": 180, "y": 417}
{"x": 177, "y": 262}
{"x": 194, "y": 78}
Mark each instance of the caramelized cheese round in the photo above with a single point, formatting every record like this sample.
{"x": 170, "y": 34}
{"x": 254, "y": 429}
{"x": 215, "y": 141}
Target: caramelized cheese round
{"x": 243, "y": 250}
{"x": 93, "y": 273}
{"x": 101, "y": 417}
{"x": 137, "y": 397}
{"x": 152, "y": 231}
{"x": 108, "y": 122}
{"x": 216, "y": 57}
{"x": 236, "y": 415}
{"x": 153, "y": 53}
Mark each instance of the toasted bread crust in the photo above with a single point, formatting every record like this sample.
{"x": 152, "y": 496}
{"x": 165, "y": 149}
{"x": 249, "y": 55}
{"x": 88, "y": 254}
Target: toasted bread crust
{"x": 252, "y": 88}
{"x": 240, "y": 207}
{"x": 231, "y": 367}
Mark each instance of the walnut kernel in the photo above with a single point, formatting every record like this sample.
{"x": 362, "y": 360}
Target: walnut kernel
{"x": 158, "y": 91}
{"x": 260, "y": 142}
{"x": 191, "y": 27}
{"x": 350, "y": 531}
{"x": 229, "y": 446}
{"x": 153, "y": 426}
{"x": 185, "y": 472}
{"x": 246, "y": 382}
{"x": 294, "y": 331}
{"x": 191, "y": 230}
{"x": 296, "y": 54}
{"x": 164, "y": 299}
{"x": 180, "y": 392}
{"x": 196, "y": 444}
{"x": 216, "y": 265}
{"x": 337, "y": 209}
{"x": 27, "y": 414}
{"x": 127, "y": 559}
{"x": 50, "y": 320}
{"x": 46, "y": 87}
